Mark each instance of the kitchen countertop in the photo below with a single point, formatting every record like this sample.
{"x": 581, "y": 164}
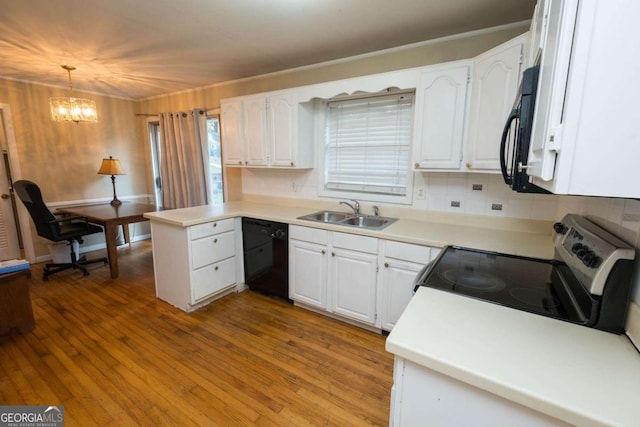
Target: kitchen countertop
{"x": 435, "y": 229}
{"x": 577, "y": 374}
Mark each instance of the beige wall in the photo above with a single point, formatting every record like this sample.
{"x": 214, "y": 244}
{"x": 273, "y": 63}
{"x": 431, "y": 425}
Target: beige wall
{"x": 63, "y": 158}
{"x": 416, "y": 56}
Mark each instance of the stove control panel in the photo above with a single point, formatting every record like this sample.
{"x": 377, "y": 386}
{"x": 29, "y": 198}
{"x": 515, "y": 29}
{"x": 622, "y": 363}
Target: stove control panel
{"x": 589, "y": 250}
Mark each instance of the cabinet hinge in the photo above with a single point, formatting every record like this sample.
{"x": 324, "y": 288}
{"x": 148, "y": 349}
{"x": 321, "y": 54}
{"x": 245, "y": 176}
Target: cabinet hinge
{"x": 468, "y": 78}
{"x": 377, "y": 268}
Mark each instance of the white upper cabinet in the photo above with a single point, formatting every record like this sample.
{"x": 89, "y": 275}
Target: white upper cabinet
{"x": 441, "y": 98}
{"x": 232, "y": 132}
{"x": 255, "y": 132}
{"x": 267, "y": 130}
{"x": 496, "y": 76}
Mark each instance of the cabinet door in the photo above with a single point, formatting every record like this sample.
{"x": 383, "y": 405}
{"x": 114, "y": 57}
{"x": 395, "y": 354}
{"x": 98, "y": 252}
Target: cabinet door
{"x": 255, "y": 131}
{"x": 441, "y": 99}
{"x": 552, "y": 83}
{"x": 308, "y": 273}
{"x": 353, "y": 284}
{"x": 232, "y": 133}
{"x": 496, "y": 76}
{"x": 209, "y": 280}
{"x": 283, "y": 129}
{"x": 397, "y": 283}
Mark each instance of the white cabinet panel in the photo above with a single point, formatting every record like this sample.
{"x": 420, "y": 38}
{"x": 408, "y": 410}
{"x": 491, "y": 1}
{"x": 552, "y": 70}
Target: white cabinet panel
{"x": 496, "y": 76}
{"x": 267, "y": 130}
{"x": 400, "y": 266}
{"x": 282, "y": 128}
{"x": 255, "y": 131}
{"x": 308, "y": 272}
{"x": 193, "y": 265}
{"x": 353, "y": 280}
{"x": 210, "y": 228}
{"x": 213, "y": 278}
{"x": 213, "y": 248}
{"x": 232, "y": 132}
{"x": 441, "y": 98}
{"x": 397, "y": 279}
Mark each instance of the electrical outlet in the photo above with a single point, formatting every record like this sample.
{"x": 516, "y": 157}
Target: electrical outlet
{"x": 420, "y": 193}
{"x": 496, "y": 206}
{"x": 455, "y": 204}
{"x": 476, "y": 187}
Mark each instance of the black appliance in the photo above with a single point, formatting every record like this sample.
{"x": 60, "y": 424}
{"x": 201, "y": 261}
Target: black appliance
{"x": 516, "y": 136}
{"x": 266, "y": 256}
{"x": 588, "y": 283}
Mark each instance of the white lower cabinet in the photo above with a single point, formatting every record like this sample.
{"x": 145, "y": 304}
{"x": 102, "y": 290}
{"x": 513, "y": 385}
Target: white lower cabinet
{"x": 193, "y": 265}
{"x": 356, "y": 277}
{"x": 335, "y": 272}
{"x": 400, "y": 265}
{"x": 423, "y": 397}
{"x": 353, "y": 268}
{"x": 308, "y": 265}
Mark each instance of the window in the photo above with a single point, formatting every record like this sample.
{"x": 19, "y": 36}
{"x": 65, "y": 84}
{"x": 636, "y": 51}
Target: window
{"x": 215, "y": 164}
{"x": 367, "y": 147}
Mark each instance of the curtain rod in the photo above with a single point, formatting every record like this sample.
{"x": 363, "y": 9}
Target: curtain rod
{"x": 204, "y": 110}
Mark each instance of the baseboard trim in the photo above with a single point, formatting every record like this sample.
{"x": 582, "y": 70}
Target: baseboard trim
{"x": 91, "y": 248}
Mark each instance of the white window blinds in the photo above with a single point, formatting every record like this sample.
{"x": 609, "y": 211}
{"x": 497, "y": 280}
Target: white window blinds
{"x": 368, "y": 144}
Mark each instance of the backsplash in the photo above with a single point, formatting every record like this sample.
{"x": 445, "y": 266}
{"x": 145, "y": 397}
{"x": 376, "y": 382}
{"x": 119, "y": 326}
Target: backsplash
{"x": 471, "y": 193}
{"x": 478, "y": 194}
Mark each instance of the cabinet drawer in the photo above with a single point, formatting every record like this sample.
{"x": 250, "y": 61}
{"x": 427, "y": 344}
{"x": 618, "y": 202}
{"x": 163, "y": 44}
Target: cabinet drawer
{"x": 309, "y": 234}
{"x": 355, "y": 242}
{"x": 409, "y": 252}
{"x": 213, "y": 278}
{"x": 210, "y": 228}
{"x": 211, "y": 249}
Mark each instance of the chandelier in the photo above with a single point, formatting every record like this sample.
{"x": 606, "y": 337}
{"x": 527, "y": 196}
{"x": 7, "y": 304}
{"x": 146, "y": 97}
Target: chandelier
{"x": 71, "y": 109}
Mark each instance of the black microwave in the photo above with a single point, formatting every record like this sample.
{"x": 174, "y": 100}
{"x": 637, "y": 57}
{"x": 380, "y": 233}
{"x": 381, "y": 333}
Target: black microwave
{"x": 516, "y": 136}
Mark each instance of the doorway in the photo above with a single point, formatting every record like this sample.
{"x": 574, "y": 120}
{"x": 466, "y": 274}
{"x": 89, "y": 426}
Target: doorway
{"x": 15, "y": 230}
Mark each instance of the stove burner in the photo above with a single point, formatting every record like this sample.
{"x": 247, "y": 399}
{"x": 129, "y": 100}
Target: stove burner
{"x": 474, "y": 280}
{"x": 539, "y": 298}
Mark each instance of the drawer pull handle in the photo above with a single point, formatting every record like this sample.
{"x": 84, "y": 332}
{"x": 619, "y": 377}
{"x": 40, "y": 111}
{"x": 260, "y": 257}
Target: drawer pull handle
{"x": 215, "y": 224}
{"x": 324, "y": 252}
{"x": 215, "y": 240}
{"x": 386, "y": 265}
{"x": 333, "y": 254}
{"x": 216, "y": 268}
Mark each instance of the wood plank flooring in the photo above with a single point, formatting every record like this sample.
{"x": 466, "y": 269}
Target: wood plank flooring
{"x": 114, "y": 355}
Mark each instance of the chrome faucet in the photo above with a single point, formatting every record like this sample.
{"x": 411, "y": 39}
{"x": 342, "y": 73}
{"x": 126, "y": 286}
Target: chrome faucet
{"x": 355, "y": 206}
{"x": 376, "y": 211}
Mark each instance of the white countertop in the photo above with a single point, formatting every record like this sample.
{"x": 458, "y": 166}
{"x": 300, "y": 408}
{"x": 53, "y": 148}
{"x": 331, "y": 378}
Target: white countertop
{"x": 433, "y": 230}
{"x": 577, "y": 374}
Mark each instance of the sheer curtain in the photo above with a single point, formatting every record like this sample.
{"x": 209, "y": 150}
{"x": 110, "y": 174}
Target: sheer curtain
{"x": 184, "y": 159}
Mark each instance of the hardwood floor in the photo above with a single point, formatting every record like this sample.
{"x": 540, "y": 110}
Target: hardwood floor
{"x": 112, "y": 354}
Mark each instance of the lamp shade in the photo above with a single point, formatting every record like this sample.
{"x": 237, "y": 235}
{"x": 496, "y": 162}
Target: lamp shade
{"x": 111, "y": 166}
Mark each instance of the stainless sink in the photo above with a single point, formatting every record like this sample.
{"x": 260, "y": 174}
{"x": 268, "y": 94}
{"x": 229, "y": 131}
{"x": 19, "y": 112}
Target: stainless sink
{"x": 369, "y": 222}
{"x": 326, "y": 216}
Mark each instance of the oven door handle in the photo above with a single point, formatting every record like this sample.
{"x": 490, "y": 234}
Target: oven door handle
{"x": 422, "y": 274}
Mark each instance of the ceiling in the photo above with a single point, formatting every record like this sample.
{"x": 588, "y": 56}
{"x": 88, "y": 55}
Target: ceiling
{"x": 137, "y": 49}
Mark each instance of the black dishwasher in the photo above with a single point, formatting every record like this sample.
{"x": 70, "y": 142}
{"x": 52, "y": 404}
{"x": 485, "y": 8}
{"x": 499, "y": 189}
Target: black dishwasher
{"x": 266, "y": 256}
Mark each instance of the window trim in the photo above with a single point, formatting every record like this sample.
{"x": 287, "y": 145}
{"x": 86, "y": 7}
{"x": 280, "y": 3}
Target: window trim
{"x": 323, "y": 192}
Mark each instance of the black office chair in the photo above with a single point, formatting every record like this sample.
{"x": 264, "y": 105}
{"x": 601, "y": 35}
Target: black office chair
{"x": 70, "y": 228}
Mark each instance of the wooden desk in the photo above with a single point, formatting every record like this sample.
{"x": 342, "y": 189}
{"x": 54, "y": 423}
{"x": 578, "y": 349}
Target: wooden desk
{"x": 110, "y": 218}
